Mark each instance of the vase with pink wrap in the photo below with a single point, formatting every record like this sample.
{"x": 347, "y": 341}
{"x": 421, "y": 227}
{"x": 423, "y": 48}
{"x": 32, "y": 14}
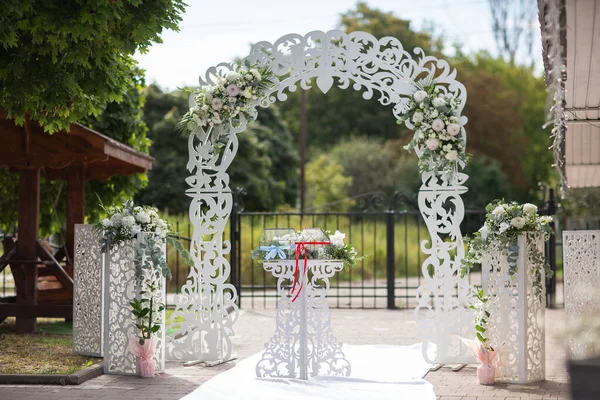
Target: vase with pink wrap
{"x": 146, "y": 312}
{"x": 486, "y": 372}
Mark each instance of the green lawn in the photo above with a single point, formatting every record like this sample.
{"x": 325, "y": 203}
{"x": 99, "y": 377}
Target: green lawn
{"x": 48, "y": 351}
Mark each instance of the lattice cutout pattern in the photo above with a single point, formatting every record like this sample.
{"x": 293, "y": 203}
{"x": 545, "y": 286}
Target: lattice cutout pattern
{"x": 120, "y": 288}
{"x": 517, "y": 314}
{"x": 581, "y": 255}
{"x": 303, "y": 344}
{"x": 87, "y": 292}
{"x": 443, "y": 312}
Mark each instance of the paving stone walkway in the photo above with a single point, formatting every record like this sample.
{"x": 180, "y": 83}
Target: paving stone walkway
{"x": 255, "y": 327}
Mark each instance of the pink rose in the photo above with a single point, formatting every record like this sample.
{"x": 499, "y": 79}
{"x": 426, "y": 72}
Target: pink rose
{"x": 233, "y": 90}
{"x": 453, "y": 129}
{"x": 432, "y": 144}
{"x": 437, "y": 125}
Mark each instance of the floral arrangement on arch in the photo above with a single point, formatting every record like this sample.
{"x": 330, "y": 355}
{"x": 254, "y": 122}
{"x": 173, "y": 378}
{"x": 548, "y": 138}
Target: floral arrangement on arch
{"x": 504, "y": 222}
{"x": 439, "y": 139}
{"x": 231, "y": 97}
{"x": 284, "y": 247}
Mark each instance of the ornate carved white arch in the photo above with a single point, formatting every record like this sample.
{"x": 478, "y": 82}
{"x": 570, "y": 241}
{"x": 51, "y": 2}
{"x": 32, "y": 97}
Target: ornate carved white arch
{"x": 379, "y": 68}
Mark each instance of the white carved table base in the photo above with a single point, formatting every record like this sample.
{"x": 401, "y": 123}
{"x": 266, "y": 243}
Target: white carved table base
{"x": 303, "y": 344}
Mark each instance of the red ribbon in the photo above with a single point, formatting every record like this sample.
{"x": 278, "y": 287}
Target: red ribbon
{"x": 301, "y": 249}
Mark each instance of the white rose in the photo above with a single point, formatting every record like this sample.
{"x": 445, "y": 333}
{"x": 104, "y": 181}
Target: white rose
{"x": 115, "y": 220}
{"x": 158, "y": 232}
{"x": 453, "y": 129}
{"x": 452, "y": 155}
{"x": 128, "y": 221}
{"x": 417, "y": 117}
{"x": 232, "y": 76}
{"x": 439, "y": 102}
{"x": 135, "y": 229}
{"x": 256, "y": 74}
{"x": 546, "y": 219}
{"x": 437, "y": 125}
{"x": 106, "y": 223}
{"x": 233, "y": 90}
{"x": 216, "y": 104}
{"x": 197, "y": 120}
{"x": 504, "y": 227}
{"x": 484, "y": 232}
{"x": 247, "y": 93}
{"x": 530, "y": 209}
{"x": 432, "y": 144}
{"x": 434, "y": 114}
{"x": 143, "y": 217}
{"x": 518, "y": 222}
{"x": 337, "y": 239}
{"x": 498, "y": 211}
{"x": 420, "y": 95}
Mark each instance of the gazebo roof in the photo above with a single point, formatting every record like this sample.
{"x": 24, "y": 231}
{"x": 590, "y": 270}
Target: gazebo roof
{"x": 30, "y": 147}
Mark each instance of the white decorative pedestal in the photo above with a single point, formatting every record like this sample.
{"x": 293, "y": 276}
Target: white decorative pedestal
{"x": 581, "y": 267}
{"x": 303, "y": 344}
{"x": 120, "y": 287}
{"x": 87, "y": 293}
{"x": 517, "y": 314}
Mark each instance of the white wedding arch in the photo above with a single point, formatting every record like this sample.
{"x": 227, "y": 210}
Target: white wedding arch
{"x": 357, "y": 60}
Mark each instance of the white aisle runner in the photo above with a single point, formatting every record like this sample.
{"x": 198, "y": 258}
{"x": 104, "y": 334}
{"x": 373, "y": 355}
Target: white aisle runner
{"x": 378, "y": 373}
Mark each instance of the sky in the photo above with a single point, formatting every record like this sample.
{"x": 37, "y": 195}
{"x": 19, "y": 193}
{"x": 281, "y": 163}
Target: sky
{"x": 220, "y": 30}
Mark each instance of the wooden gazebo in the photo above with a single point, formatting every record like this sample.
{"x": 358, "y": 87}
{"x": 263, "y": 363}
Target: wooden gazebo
{"x": 43, "y": 282}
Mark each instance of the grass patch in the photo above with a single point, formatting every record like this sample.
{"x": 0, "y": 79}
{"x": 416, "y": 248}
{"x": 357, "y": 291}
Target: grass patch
{"x": 48, "y": 351}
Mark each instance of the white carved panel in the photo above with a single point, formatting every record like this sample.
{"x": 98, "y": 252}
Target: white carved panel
{"x": 516, "y": 326}
{"x": 207, "y": 303}
{"x": 120, "y": 289}
{"x": 303, "y": 344}
{"x": 443, "y": 313}
{"x": 357, "y": 60}
{"x": 87, "y": 292}
{"x": 581, "y": 267}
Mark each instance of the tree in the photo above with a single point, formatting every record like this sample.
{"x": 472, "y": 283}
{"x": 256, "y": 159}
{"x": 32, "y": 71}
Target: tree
{"x": 512, "y": 26}
{"x": 506, "y": 114}
{"x": 63, "y": 61}
{"x": 265, "y": 166}
{"x": 343, "y": 113}
{"x": 121, "y": 121}
{"x": 327, "y": 185}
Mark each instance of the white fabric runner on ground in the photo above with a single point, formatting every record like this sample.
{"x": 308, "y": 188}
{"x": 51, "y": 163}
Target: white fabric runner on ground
{"x": 378, "y": 373}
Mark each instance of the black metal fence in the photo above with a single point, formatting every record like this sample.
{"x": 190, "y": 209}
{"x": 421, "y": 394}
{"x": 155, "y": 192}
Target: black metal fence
{"x": 387, "y": 277}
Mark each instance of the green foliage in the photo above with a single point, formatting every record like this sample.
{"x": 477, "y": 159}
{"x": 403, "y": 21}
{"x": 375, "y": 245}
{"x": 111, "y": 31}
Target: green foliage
{"x": 377, "y": 166}
{"x": 65, "y": 60}
{"x": 343, "y": 113}
{"x": 486, "y": 182}
{"x": 327, "y": 185}
{"x": 481, "y": 306}
{"x": 266, "y": 163}
{"x": 505, "y": 108}
{"x": 121, "y": 121}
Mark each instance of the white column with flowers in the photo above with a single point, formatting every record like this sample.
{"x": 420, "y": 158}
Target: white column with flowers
{"x": 303, "y": 263}
{"x": 510, "y": 305}
{"x": 134, "y": 243}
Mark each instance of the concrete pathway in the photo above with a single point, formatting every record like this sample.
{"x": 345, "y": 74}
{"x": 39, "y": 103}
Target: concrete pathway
{"x": 350, "y": 326}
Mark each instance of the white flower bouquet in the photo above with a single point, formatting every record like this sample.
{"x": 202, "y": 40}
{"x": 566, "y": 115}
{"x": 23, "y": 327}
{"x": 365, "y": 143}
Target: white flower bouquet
{"x": 504, "y": 222}
{"x": 439, "y": 139}
{"x": 283, "y": 244}
{"x": 232, "y": 96}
